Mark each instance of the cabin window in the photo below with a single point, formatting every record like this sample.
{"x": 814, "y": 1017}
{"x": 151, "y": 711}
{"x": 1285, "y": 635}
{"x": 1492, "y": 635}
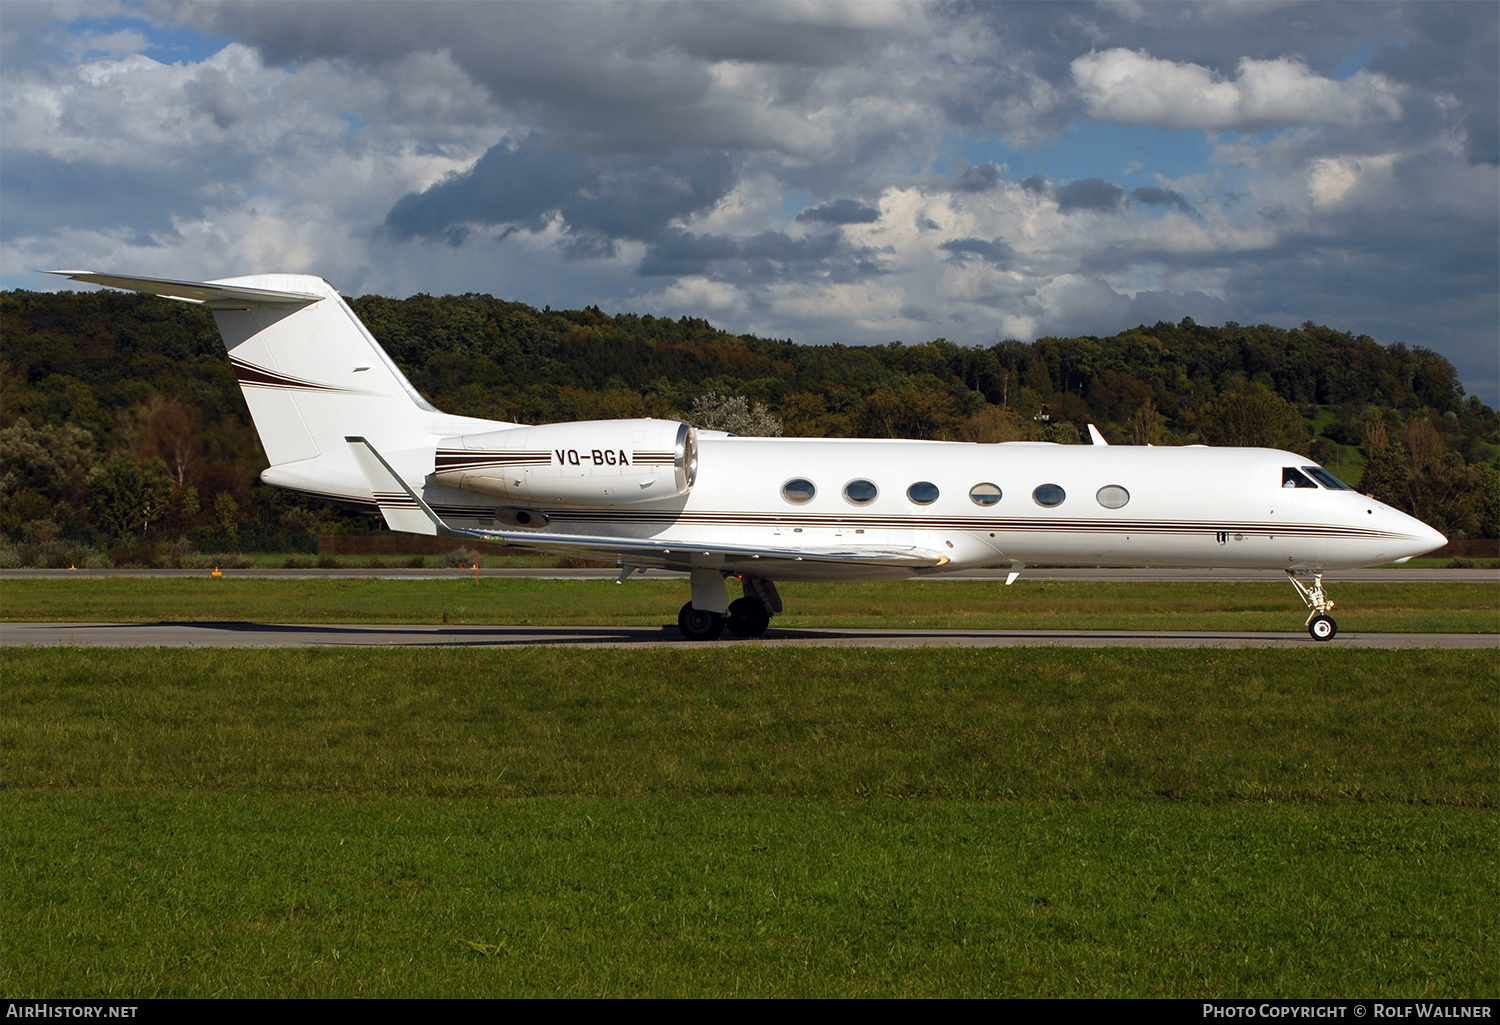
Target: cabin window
{"x": 1112, "y": 496}
{"x": 985, "y": 494}
{"x": 1291, "y": 477}
{"x": 1326, "y": 479}
{"x": 798, "y": 490}
{"x": 923, "y": 492}
{"x": 860, "y": 492}
{"x": 1049, "y": 495}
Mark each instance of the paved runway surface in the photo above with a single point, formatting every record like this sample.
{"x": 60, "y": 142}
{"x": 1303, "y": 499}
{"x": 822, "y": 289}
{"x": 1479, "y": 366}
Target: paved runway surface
{"x": 266, "y": 635}
{"x": 1397, "y": 575}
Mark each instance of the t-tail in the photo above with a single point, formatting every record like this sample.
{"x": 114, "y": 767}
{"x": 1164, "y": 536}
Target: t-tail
{"x": 312, "y": 375}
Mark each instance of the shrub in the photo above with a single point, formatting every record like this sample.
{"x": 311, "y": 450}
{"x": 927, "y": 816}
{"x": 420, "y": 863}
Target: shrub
{"x": 459, "y": 558}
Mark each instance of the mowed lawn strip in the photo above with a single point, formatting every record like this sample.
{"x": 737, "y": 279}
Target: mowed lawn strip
{"x": 166, "y": 893}
{"x": 935, "y": 604}
{"x": 721, "y": 821}
{"x": 1312, "y": 725}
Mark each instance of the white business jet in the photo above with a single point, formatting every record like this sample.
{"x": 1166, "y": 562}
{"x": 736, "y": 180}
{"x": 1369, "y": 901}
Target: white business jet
{"x": 340, "y": 421}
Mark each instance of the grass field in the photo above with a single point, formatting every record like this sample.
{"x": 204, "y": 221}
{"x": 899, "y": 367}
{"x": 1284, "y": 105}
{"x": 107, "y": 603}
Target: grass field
{"x": 712, "y": 821}
{"x": 936, "y": 604}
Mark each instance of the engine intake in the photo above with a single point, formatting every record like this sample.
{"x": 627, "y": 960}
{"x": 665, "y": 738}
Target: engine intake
{"x": 589, "y": 462}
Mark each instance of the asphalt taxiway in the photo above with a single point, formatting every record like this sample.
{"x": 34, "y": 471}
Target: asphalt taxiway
{"x": 1384, "y": 575}
{"x": 275, "y": 635}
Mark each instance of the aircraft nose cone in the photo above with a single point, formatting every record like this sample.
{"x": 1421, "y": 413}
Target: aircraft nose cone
{"x": 1434, "y": 538}
{"x": 1424, "y": 539}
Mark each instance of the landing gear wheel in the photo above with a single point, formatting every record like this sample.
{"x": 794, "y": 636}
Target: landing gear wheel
{"x": 1320, "y": 625}
{"x": 1323, "y": 628}
{"x": 699, "y": 624}
{"x": 748, "y": 617}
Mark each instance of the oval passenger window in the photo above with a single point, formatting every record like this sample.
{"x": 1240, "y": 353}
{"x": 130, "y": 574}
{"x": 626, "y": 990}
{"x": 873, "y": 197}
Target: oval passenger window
{"x": 798, "y": 490}
{"x": 860, "y": 492}
{"x": 985, "y": 494}
{"x": 1112, "y": 496}
{"x": 1049, "y": 495}
{"x": 922, "y": 492}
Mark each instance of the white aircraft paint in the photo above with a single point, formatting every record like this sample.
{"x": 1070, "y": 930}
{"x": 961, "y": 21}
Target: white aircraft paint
{"x": 340, "y": 421}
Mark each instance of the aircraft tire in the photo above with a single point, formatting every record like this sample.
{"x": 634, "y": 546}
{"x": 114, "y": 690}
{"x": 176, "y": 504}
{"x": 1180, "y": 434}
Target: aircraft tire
{"x": 748, "y": 617}
{"x": 1323, "y": 628}
{"x": 699, "y": 624}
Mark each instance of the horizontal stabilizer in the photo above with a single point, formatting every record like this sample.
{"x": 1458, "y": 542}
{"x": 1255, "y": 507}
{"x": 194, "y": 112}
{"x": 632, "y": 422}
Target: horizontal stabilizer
{"x": 206, "y": 292}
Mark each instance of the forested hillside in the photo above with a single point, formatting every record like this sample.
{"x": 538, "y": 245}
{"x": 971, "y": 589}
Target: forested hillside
{"x": 122, "y": 427}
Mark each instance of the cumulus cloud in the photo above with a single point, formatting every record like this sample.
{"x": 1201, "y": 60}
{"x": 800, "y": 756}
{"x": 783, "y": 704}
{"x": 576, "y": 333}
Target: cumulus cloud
{"x": 1134, "y": 88}
{"x": 995, "y": 251}
{"x": 601, "y": 199}
{"x": 1090, "y": 194}
{"x": 840, "y": 211}
{"x": 1148, "y": 196}
{"x": 833, "y": 172}
{"x": 978, "y": 179}
{"x": 767, "y": 257}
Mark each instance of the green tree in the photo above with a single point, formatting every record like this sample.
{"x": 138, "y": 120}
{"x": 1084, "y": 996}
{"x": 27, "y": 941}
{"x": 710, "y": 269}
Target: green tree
{"x": 1445, "y": 492}
{"x": 733, "y": 413}
{"x": 995, "y": 424}
{"x": 1256, "y": 420}
{"x": 46, "y": 472}
{"x": 1145, "y": 425}
{"x": 909, "y": 413}
{"x": 227, "y": 516}
{"x": 1489, "y": 499}
{"x": 129, "y": 496}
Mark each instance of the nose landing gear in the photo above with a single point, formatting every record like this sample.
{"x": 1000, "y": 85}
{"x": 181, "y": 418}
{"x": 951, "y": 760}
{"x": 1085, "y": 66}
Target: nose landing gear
{"x": 1319, "y": 623}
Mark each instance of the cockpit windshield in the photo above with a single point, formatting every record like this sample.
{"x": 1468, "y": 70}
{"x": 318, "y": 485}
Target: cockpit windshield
{"x": 1326, "y": 479}
{"x": 1292, "y": 478}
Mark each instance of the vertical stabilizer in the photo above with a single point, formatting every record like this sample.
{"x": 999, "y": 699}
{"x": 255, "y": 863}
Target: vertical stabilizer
{"x": 309, "y": 370}
{"x": 312, "y": 374}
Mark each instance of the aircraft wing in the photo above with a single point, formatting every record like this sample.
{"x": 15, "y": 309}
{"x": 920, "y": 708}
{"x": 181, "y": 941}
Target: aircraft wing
{"x": 205, "y": 292}
{"x": 405, "y": 510}
{"x": 684, "y": 555}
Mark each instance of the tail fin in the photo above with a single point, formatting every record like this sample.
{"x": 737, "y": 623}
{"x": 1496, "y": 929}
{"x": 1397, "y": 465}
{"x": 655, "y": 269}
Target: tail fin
{"x": 310, "y": 371}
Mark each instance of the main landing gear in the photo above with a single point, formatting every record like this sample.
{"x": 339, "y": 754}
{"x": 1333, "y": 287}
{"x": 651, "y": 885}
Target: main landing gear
{"x": 699, "y": 624}
{"x": 1319, "y": 623}
{"x": 747, "y": 617}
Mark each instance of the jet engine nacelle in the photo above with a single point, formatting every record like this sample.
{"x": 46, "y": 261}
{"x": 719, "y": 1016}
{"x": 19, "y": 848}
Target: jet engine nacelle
{"x": 597, "y": 462}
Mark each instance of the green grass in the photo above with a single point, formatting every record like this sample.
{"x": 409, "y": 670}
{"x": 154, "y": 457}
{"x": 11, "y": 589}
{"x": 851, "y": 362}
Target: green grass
{"x": 1443, "y": 563}
{"x": 298, "y": 560}
{"x": 184, "y": 894}
{"x": 703, "y": 821}
{"x": 988, "y": 724}
{"x": 1472, "y": 607}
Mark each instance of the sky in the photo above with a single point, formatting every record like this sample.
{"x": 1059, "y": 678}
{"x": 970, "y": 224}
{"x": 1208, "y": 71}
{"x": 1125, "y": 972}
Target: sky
{"x": 826, "y": 172}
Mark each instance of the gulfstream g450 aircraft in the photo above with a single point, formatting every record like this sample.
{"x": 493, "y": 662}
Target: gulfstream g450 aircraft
{"x": 340, "y": 421}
